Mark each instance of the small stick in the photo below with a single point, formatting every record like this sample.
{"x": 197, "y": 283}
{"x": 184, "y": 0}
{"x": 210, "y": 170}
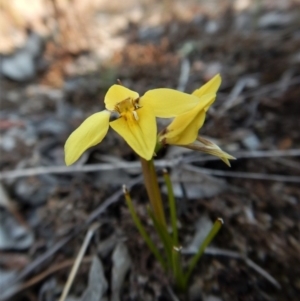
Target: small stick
{"x": 233, "y": 254}
{"x": 78, "y": 260}
{"x": 262, "y": 272}
{"x": 53, "y": 269}
{"x": 243, "y": 175}
{"x": 28, "y": 172}
{"x": 247, "y": 154}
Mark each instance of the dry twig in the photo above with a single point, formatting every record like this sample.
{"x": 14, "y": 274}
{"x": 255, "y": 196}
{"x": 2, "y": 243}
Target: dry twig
{"x": 228, "y": 253}
{"x": 50, "y": 271}
{"x": 34, "y": 171}
{"x": 243, "y": 175}
{"x": 78, "y": 260}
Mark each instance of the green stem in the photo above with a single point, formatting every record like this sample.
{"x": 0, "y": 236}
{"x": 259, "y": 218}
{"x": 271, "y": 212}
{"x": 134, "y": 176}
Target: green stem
{"x": 142, "y": 230}
{"x": 164, "y": 237}
{"x": 176, "y": 249}
{"x": 172, "y": 206}
{"x": 153, "y": 191}
{"x": 177, "y": 269}
{"x": 212, "y": 233}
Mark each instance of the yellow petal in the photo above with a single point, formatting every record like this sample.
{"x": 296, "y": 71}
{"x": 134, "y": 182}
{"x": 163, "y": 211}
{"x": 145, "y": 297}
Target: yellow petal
{"x": 206, "y": 101}
{"x": 211, "y": 86}
{"x": 139, "y": 134}
{"x": 116, "y": 94}
{"x": 168, "y": 103}
{"x": 184, "y": 128}
{"x": 89, "y": 133}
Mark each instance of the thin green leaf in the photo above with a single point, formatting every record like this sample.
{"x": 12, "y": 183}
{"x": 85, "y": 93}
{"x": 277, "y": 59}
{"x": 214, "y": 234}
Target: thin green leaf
{"x": 142, "y": 230}
{"x": 212, "y": 233}
{"x": 164, "y": 237}
{"x": 172, "y": 205}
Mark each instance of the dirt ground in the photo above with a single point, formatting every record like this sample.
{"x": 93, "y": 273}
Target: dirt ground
{"x": 47, "y": 208}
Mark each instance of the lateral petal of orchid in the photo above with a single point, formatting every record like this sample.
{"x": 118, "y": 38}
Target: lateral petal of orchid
{"x": 206, "y": 101}
{"x": 211, "y": 86}
{"x": 182, "y": 134}
{"x": 117, "y": 93}
{"x": 168, "y": 103}
{"x": 184, "y": 128}
{"x": 89, "y": 133}
{"x": 139, "y": 134}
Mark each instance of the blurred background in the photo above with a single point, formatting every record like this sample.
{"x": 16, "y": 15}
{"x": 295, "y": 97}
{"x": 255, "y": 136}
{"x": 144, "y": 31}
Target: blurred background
{"x": 59, "y": 57}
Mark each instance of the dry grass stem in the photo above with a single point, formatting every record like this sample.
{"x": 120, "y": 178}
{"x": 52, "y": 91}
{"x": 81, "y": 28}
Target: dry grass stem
{"x": 78, "y": 260}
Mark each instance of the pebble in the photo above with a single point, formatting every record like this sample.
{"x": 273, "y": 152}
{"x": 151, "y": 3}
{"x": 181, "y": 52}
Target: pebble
{"x": 13, "y": 236}
{"x": 51, "y": 126}
{"x": 251, "y": 142}
{"x": 6, "y": 286}
{"x": 35, "y": 191}
{"x": 211, "y": 27}
{"x": 8, "y": 143}
{"x": 275, "y": 20}
{"x": 21, "y": 65}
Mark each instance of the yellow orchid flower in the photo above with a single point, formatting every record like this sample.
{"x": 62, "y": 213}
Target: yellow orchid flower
{"x": 136, "y": 122}
{"x": 183, "y": 130}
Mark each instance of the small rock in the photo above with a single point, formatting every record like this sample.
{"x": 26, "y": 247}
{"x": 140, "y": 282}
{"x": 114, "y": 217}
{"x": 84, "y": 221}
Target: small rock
{"x": 51, "y": 126}
{"x": 97, "y": 285}
{"x": 273, "y": 20}
{"x": 35, "y": 191}
{"x": 121, "y": 265}
{"x": 8, "y": 143}
{"x": 211, "y": 27}
{"x": 12, "y": 135}
{"x": 107, "y": 245}
{"x": 147, "y": 33}
{"x": 12, "y": 235}
{"x": 203, "y": 226}
{"x": 251, "y": 141}
{"x": 48, "y": 290}
{"x": 21, "y": 66}
{"x": 6, "y": 289}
